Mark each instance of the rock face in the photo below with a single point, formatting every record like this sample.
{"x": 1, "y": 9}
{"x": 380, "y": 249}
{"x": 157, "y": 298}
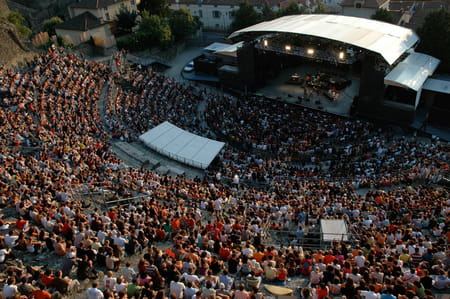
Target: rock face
{"x": 12, "y": 48}
{"x": 35, "y": 12}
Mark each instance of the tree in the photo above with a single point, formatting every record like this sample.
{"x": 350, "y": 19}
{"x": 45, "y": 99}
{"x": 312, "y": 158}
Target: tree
{"x": 19, "y": 21}
{"x": 182, "y": 23}
{"x": 155, "y": 7}
{"x": 245, "y": 16}
{"x": 154, "y": 31}
{"x": 268, "y": 13}
{"x": 124, "y": 21}
{"x": 435, "y": 37}
{"x": 50, "y": 24}
{"x": 292, "y": 9}
{"x": 320, "y": 8}
{"x": 384, "y": 15}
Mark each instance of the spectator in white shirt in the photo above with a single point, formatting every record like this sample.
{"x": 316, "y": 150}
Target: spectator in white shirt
{"x": 10, "y": 239}
{"x": 177, "y": 288}
{"x": 110, "y": 281}
{"x": 10, "y": 288}
{"x": 370, "y": 294}
{"x": 360, "y": 259}
{"x": 94, "y": 292}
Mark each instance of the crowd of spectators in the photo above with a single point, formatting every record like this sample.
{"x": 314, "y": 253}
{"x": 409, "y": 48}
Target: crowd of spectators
{"x": 218, "y": 237}
{"x": 333, "y": 146}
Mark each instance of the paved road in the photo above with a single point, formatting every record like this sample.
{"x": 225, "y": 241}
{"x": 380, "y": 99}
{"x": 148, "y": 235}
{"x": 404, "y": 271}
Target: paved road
{"x": 180, "y": 61}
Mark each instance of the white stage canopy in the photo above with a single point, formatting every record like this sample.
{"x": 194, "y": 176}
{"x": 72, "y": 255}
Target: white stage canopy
{"x": 216, "y": 47}
{"x": 182, "y": 146}
{"x": 442, "y": 86}
{"x": 413, "y": 71}
{"x": 390, "y": 41}
{"x": 334, "y": 229}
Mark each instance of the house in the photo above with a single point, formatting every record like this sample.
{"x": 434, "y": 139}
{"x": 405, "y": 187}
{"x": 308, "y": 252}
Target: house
{"x": 85, "y": 26}
{"x": 413, "y": 13}
{"x": 218, "y": 14}
{"x": 106, "y": 10}
{"x": 362, "y": 8}
{"x": 91, "y": 19}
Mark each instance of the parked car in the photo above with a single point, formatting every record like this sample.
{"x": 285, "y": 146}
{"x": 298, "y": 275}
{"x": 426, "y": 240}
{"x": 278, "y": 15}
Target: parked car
{"x": 189, "y": 67}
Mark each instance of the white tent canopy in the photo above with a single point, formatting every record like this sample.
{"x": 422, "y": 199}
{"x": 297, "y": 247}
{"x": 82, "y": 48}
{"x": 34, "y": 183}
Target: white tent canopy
{"x": 390, "y": 41}
{"x": 442, "y": 86}
{"x": 334, "y": 229}
{"x": 413, "y": 71}
{"x": 182, "y": 146}
{"x": 216, "y": 47}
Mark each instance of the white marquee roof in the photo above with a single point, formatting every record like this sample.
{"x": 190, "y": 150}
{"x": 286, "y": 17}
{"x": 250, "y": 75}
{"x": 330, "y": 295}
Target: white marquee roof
{"x": 442, "y": 86}
{"x": 413, "y": 71}
{"x": 182, "y": 146}
{"x": 334, "y": 229}
{"x": 390, "y": 41}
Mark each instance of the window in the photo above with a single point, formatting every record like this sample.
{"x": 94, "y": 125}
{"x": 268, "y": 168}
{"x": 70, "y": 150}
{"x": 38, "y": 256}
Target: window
{"x": 200, "y": 13}
{"x": 215, "y": 5}
{"x": 358, "y": 5}
{"x": 217, "y": 25}
{"x": 216, "y": 14}
{"x": 133, "y": 2}
{"x": 105, "y": 8}
{"x": 231, "y": 14}
{"x": 232, "y": 6}
{"x": 107, "y": 17}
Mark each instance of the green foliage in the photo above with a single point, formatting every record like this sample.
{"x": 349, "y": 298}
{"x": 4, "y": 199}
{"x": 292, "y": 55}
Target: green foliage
{"x": 155, "y": 7}
{"x": 245, "y": 16}
{"x": 435, "y": 37}
{"x": 268, "y": 13}
{"x": 182, "y": 23}
{"x": 291, "y": 9}
{"x": 18, "y": 20}
{"x": 24, "y": 31}
{"x": 152, "y": 32}
{"x": 125, "y": 21}
{"x": 384, "y": 15}
{"x": 320, "y": 9}
{"x": 50, "y": 24}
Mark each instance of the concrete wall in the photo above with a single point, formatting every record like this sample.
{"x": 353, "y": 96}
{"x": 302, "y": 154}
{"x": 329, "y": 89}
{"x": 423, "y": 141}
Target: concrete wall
{"x": 102, "y": 33}
{"x": 214, "y": 17}
{"x": 105, "y": 14}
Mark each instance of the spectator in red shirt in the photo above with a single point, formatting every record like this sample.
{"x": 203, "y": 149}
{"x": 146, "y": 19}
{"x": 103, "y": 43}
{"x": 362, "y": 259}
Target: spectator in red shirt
{"x": 48, "y": 278}
{"x": 21, "y": 224}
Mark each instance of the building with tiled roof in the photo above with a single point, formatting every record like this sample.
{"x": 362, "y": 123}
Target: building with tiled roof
{"x": 106, "y": 10}
{"x": 91, "y": 19}
{"x": 218, "y": 14}
{"x": 362, "y": 8}
{"x": 83, "y": 27}
{"x": 413, "y": 13}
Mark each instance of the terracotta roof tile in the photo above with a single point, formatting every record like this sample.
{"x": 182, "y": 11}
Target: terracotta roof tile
{"x": 82, "y": 22}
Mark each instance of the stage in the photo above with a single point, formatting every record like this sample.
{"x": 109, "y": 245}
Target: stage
{"x": 278, "y": 88}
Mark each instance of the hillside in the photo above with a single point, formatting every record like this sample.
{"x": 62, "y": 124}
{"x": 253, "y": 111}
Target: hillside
{"x": 12, "y": 48}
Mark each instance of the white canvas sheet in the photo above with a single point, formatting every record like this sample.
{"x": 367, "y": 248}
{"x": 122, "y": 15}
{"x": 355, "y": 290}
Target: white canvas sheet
{"x": 413, "y": 71}
{"x": 390, "y": 41}
{"x": 181, "y": 145}
{"x": 335, "y": 229}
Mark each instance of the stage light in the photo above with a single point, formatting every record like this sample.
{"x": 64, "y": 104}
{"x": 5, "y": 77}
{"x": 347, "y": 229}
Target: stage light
{"x": 287, "y": 48}
{"x": 341, "y": 55}
{"x": 266, "y": 43}
{"x": 310, "y": 51}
